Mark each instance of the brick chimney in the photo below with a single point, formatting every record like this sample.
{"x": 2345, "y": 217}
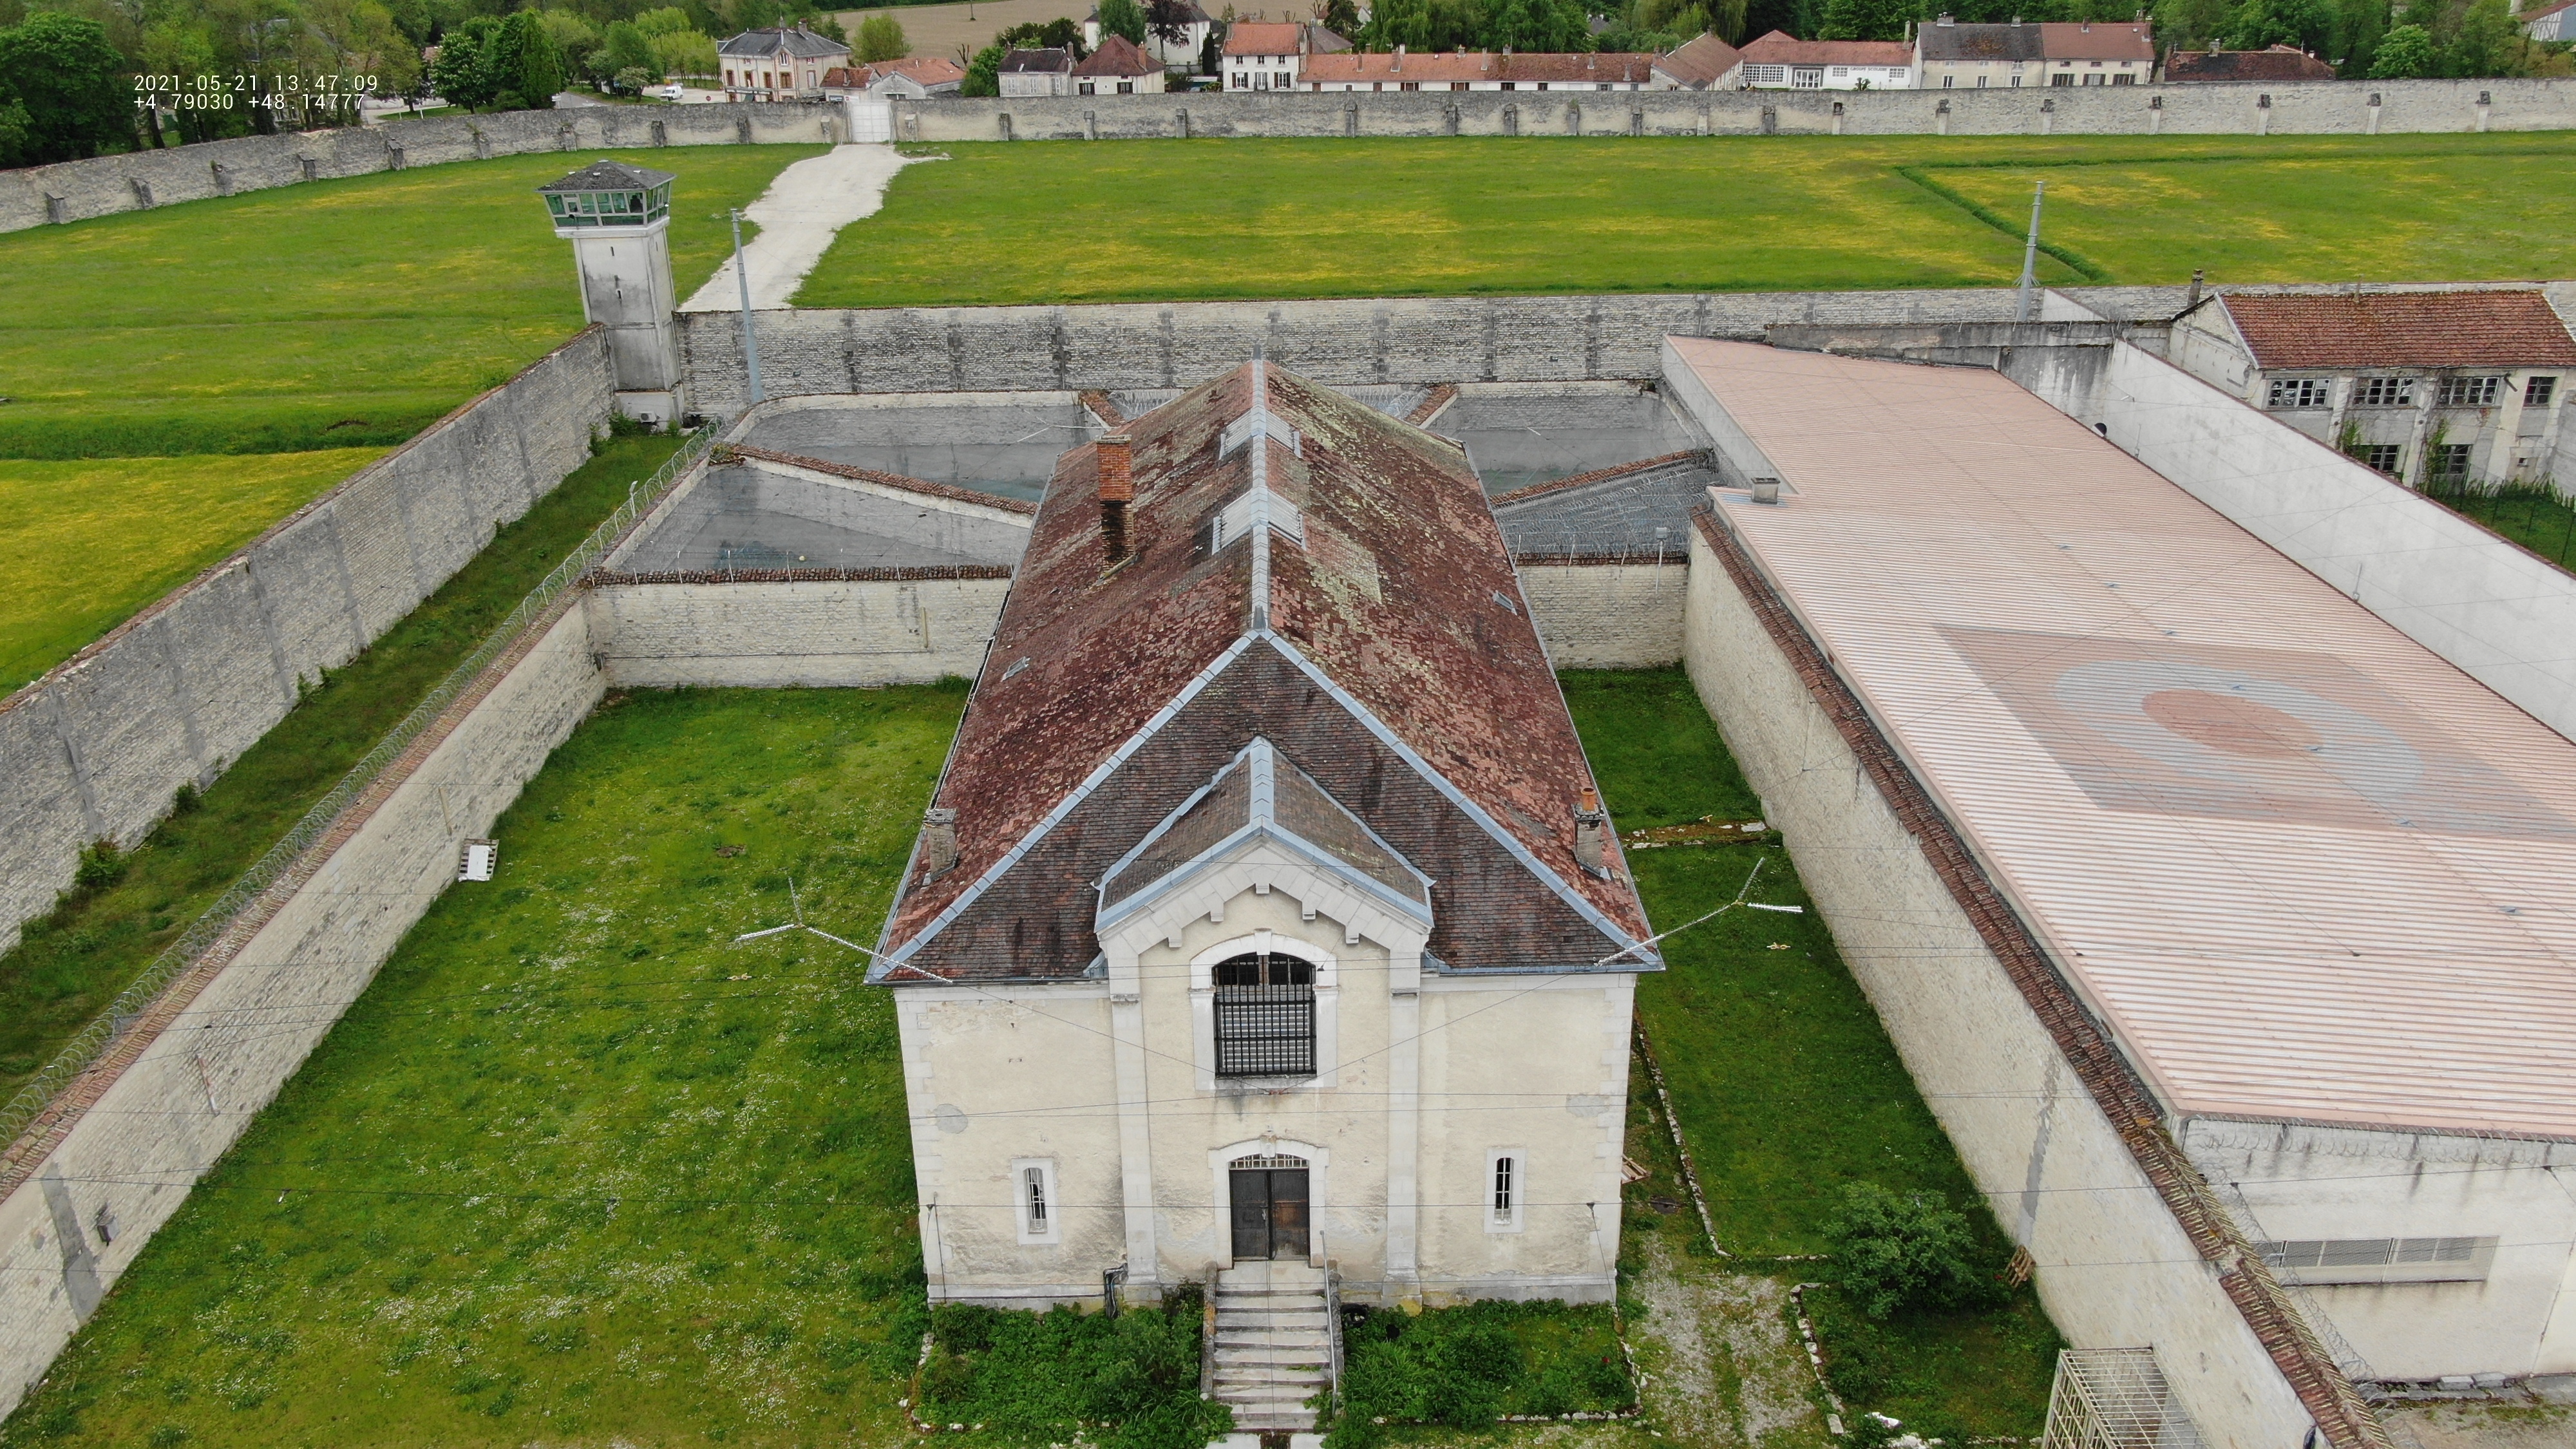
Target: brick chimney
{"x": 1591, "y": 835}
{"x": 1117, "y": 491}
{"x": 938, "y": 842}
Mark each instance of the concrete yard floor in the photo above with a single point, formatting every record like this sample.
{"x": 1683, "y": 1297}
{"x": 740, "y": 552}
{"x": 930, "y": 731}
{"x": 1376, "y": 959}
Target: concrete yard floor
{"x": 803, "y": 209}
{"x": 1722, "y": 1358}
{"x": 2527, "y": 1425}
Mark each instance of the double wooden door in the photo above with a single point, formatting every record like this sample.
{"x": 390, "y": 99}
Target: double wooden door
{"x": 1269, "y": 1212}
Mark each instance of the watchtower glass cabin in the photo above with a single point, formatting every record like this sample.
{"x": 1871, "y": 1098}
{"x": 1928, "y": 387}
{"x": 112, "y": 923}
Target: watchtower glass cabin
{"x": 618, "y": 219}
{"x": 1266, "y": 918}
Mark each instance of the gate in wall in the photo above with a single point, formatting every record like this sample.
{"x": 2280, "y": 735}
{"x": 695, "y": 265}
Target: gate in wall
{"x": 871, "y": 119}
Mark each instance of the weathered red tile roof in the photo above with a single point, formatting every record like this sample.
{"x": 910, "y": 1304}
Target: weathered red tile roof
{"x": 2280, "y": 63}
{"x": 1444, "y": 67}
{"x": 930, "y": 70}
{"x": 2402, "y": 329}
{"x": 1280, "y": 38}
{"x": 2097, "y": 40}
{"x": 1400, "y": 596}
{"x": 1117, "y": 56}
{"x": 1701, "y": 63}
{"x": 1782, "y": 48}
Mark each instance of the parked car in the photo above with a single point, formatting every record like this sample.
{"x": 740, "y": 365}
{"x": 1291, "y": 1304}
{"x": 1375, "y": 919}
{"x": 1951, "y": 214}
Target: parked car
{"x": 669, "y": 92}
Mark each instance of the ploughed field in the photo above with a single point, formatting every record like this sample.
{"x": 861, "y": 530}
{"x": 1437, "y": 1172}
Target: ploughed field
{"x": 1140, "y": 221}
{"x": 575, "y": 1169}
{"x": 178, "y": 380}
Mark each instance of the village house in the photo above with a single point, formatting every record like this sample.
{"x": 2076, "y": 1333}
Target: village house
{"x": 2436, "y": 388}
{"x": 1046, "y": 72}
{"x": 2279, "y": 64}
{"x": 1118, "y": 68}
{"x": 1780, "y": 61}
{"x": 1182, "y": 53}
{"x": 1952, "y": 56}
{"x": 2555, "y": 22}
{"x": 1270, "y": 55}
{"x": 1705, "y": 64}
{"x": 1478, "y": 71}
{"x": 1266, "y": 928}
{"x": 779, "y": 63}
{"x": 913, "y": 78}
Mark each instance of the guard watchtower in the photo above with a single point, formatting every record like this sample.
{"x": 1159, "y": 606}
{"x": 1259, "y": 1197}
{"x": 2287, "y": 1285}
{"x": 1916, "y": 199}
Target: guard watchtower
{"x": 618, "y": 219}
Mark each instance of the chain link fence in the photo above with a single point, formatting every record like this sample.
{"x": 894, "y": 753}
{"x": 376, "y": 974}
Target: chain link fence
{"x": 95, "y": 1040}
{"x": 2535, "y": 515}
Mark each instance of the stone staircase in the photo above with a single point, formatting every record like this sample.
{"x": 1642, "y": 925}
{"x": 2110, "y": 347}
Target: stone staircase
{"x": 1273, "y": 1346}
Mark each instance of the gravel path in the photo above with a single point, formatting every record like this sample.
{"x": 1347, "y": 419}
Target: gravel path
{"x": 1724, "y": 1359}
{"x": 800, "y": 213}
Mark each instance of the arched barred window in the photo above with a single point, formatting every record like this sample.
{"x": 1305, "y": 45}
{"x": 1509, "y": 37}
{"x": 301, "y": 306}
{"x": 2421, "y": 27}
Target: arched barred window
{"x": 1265, "y": 1016}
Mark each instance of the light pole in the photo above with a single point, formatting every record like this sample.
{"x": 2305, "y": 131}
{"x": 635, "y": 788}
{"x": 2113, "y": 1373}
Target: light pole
{"x": 2029, "y": 261}
{"x": 751, "y": 345}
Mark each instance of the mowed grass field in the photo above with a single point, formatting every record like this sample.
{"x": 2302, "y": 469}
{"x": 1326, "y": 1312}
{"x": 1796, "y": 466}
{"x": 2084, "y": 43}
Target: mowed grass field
{"x": 338, "y": 312}
{"x": 575, "y": 1170}
{"x": 84, "y": 544}
{"x": 1155, "y": 220}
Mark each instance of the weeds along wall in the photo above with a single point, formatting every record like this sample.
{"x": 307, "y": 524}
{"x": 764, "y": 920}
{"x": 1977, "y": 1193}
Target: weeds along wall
{"x": 1344, "y": 343}
{"x": 96, "y": 748}
{"x": 160, "y": 1112}
{"x": 79, "y": 190}
{"x": 2311, "y": 108}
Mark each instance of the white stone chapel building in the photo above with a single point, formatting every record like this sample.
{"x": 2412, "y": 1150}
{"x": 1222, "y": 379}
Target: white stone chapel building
{"x": 1266, "y": 913}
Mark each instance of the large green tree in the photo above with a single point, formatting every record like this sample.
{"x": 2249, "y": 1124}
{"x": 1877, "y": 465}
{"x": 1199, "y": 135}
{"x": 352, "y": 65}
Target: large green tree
{"x": 465, "y": 72}
{"x": 71, "y": 86}
{"x": 1123, "y": 17}
{"x": 2404, "y": 54}
{"x": 881, "y": 37}
{"x": 1865, "y": 19}
{"x": 527, "y": 62}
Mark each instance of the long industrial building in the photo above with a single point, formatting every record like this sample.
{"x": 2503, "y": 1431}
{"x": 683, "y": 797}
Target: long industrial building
{"x": 2225, "y": 926}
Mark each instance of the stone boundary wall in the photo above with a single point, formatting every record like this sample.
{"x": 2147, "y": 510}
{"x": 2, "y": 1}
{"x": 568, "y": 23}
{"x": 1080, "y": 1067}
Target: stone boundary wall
{"x": 2308, "y": 108}
{"x": 79, "y": 190}
{"x": 1607, "y": 613}
{"x": 809, "y": 633}
{"x": 1358, "y": 342}
{"x": 167, "y": 1113}
{"x": 2502, "y": 614}
{"x": 2116, "y": 1266}
{"x": 95, "y": 749}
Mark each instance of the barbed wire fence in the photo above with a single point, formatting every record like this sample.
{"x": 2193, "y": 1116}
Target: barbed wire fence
{"x": 94, "y": 1041}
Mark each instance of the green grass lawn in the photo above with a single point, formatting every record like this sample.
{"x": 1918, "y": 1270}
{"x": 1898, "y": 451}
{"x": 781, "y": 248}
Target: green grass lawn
{"x": 70, "y": 964}
{"x": 1156, "y": 220}
{"x": 338, "y": 312}
{"x": 2535, "y": 517}
{"x": 84, "y": 544}
{"x": 1785, "y": 1083}
{"x": 574, "y": 1170}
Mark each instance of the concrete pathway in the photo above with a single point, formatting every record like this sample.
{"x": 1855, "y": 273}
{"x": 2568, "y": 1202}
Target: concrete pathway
{"x": 800, "y": 213}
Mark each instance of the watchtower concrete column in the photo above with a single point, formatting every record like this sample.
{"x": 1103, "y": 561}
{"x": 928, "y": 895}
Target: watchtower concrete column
{"x": 618, "y": 219}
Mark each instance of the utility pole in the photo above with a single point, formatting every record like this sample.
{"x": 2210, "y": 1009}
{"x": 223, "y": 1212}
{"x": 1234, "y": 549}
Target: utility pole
{"x": 2021, "y": 305}
{"x": 751, "y": 345}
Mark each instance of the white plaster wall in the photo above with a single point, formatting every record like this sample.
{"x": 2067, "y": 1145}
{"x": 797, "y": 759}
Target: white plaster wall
{"x": 2115, "y": 1269}
{"x": 197, "y": 1085}
{"x": 2327, "y": 1182}
{"x": 2502, "y": 615}
{"x": 1608, "y": 616}
{"x": 857, "y": 632}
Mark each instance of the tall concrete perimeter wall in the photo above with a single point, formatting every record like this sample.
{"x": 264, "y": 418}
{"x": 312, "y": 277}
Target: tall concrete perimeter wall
{"x": 1117, "y": 347}
{"x": 96, "y": 748}
{"x": 79, "y": 190}
{"x": 2311, "y": 108}
{"x": 163, "y": 1120}
{"x": 2115, "y": 1267}
{"x": 1599, "y": 614}
{"x": 2502, "y": 614}
{"x": 851, "y": 630}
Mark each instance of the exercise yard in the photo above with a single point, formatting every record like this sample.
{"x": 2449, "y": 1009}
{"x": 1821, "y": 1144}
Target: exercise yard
{"x": 1139, "y": 221}
{"x": 575, "y": 1170}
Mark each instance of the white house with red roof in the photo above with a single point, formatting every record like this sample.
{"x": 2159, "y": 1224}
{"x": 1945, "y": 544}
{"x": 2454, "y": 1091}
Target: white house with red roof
{"x": 1262, "y": 55}
{"x": 1780, "y": 61}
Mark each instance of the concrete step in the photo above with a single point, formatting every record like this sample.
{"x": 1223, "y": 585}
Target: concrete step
{"x": 1272, "y": 1339}
{"x": 1269, "y": 1373}
{"x": 1276, "y": 1396}
{"x": 1272, "y": 1355}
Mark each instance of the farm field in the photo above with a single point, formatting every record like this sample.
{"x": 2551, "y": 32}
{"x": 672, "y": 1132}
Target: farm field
{"x": 85, "y": 544}
{"x": 574, "y": 1169}
{"x": 330, "y": 314}
{"x": 1165, "y": 220}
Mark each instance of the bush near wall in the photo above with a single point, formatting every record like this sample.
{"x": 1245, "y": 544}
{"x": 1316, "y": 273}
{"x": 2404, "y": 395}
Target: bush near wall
{"x": 1131, "y": 1382}
{"x": 1465, "y": 1367}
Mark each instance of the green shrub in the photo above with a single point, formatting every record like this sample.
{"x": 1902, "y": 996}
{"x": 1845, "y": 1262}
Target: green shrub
{"x": 1037, "y": 1378}
{"x": 1909, "y": 1250}
{"x": 1465, "y": 1367}
{"x": 101, "y": 865}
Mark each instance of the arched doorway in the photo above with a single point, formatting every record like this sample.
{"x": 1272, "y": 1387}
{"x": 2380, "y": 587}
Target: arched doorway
{"x": 1270, "y": 1200}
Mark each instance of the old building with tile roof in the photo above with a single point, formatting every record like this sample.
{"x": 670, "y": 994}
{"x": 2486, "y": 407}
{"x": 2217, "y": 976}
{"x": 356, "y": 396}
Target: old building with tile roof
{"x": 779, "y": 63}
{"x": 2278, "y": 63}
{"x": 1267, "y": 815}
{"x": 1478, "y": 71}
{"x": 1781, "y": 61}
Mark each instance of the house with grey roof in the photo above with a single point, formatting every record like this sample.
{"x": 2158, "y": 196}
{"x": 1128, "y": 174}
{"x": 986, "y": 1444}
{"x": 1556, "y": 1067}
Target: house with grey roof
{"x": 1043, "y": 72}
{"x": 779, "y": 63}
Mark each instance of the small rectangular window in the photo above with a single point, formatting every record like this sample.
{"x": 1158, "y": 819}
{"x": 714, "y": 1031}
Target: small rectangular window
{"x": 1506, "y": 1189}
{"x": 1036, "y": 1183}
{"x": 1035, "y": 1203}
{"x": 2471, "y": 392}
{"x": 2450, "y": 462}
{"x": 2537, "y": 392}
{"x": 2381, "y": 1260}
{"x": 2299, "y": 392}
{"x": 2384, "y": 392}
{"x": 2382, "y": 456}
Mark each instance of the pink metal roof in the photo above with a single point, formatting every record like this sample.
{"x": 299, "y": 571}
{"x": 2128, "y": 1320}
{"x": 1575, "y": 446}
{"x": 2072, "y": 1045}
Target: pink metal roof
{"x": 2303, "y": 866}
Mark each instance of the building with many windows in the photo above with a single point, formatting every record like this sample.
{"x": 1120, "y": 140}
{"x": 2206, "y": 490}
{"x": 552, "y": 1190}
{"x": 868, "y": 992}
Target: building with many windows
{"x": 1780, "y": 61}
{"x": 1272, "y": 55}
{"x": 1951, "y": 56}
{"x": 779, "y": 63}
{"x": 2437, "y": 388}
{"x": 1266, "y": 920}
{"x": 1478, "y": 71}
